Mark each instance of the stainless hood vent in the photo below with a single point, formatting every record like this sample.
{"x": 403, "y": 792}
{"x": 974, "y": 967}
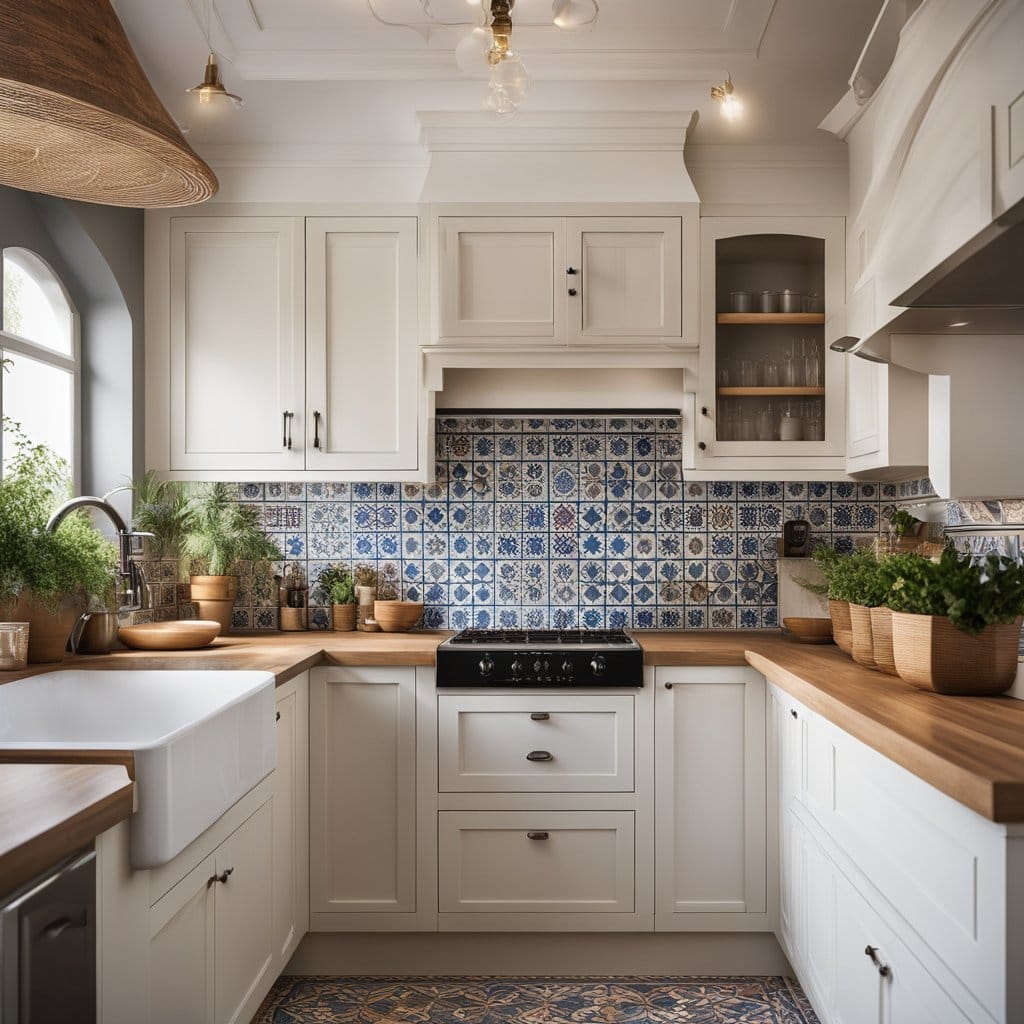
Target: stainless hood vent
{"x": 985, "y": 272}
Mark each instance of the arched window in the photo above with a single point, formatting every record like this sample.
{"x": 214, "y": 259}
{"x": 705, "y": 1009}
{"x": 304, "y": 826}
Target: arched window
{"x": 39, "y": 343}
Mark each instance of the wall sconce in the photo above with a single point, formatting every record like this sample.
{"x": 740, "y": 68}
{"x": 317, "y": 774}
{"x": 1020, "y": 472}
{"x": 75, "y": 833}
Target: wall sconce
{"x": 732, "y": 106}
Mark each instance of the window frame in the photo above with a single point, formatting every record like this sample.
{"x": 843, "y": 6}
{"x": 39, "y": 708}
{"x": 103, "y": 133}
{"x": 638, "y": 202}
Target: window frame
{"x": 35, "y": 266}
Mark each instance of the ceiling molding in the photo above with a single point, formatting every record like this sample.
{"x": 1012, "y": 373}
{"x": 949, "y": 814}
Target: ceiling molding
{"x": 295, "y": 155}
{"x": 827, "y": 154}
{"x": 555, "y": 131}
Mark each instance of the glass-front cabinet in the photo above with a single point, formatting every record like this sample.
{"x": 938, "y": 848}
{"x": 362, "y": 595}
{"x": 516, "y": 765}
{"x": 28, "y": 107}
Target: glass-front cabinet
{"x": 773, "y": 301}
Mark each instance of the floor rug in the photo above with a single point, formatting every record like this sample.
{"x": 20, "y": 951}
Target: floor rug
{"x": 688, "y": 1000}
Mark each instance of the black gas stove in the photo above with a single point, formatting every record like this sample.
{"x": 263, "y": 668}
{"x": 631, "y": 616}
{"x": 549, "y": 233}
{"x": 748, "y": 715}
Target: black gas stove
{"x": 540, "y": 658}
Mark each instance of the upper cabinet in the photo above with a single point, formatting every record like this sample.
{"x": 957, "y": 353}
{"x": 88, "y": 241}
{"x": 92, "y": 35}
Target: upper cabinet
{"x": 565, "y": 280}
{"x": 772, "y": 392}
{"x": 281, "y": 347}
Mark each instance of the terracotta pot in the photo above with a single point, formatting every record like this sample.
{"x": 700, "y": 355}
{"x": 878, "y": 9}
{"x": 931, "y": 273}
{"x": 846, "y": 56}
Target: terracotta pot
{"x": 49, "y": 631}
{"x": 932, "y": 654}
{"x": 881, "y": 639}
{"x": 215, "y": 596}
{"x": 343, "y": 617}
{"x": 863, "y": 651}
{"x": 842, "y": 628}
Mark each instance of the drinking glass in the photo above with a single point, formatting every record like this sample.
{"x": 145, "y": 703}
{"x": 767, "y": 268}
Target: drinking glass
{"x": 812, "y": 365}
{"x": 791, "y": 426}
{"x": 770, "y": 372}
{"x": 748, "y": 373}
{"x": 792, "y": 368}
{"x": 767, "y": 424}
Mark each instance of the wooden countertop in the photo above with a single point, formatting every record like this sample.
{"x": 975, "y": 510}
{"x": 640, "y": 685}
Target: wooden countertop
{"x": 47, "y": 811}
{"x": 709, "y": 646}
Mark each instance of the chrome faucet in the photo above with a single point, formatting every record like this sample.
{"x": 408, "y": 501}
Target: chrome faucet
{"x": 132, "y": 580}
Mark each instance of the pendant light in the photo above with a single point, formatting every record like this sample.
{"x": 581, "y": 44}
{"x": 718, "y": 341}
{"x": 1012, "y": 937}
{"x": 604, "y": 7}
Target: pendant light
{"x": 78, "y": 117}
{"x": 211, "y": 88}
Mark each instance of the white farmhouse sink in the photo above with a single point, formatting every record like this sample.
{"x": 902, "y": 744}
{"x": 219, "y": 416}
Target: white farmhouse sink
{"x": 201, "y": 740}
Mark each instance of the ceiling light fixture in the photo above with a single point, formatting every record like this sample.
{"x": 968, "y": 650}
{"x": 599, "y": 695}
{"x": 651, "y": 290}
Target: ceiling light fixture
{"x": 574, "y": 13}
{"x": 732, "y": 106}
{"x": 211, "y": 87}
{"x": 510, "y": 81}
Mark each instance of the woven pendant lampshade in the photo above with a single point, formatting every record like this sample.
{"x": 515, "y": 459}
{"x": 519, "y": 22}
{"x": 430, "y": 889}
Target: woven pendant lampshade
{"x": 78, "y": 117}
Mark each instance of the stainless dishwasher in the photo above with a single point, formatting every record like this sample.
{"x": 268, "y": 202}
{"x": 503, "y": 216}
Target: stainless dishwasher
{"x": 48, "y": 947}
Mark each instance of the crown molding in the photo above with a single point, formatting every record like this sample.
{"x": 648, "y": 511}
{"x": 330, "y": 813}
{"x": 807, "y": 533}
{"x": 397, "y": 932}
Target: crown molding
{"x": 326, "y": 155}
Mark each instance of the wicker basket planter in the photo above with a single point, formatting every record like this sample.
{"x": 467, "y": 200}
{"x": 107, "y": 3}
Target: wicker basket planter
{"x": 863, "y": 651}
{"x": 343, "y": 617}
{"x": 842, "y": 628}
{"x": 881, "y": 639}
{"x": 932, "y": 654}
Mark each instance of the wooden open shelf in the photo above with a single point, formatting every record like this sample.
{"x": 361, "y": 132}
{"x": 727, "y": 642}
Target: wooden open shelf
{"x": 771, "y": 392}
{"x": 771, "y": 318}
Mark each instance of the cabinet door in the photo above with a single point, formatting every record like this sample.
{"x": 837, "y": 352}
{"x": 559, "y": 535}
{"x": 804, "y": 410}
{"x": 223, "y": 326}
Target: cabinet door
{"x": 181, "y": 951}
{"x": 291, "y": 819}
{"x": 242, "y": 913}
{"x": 363, "y": 793}
{"x": 814, "y": 911}
{"x": 362, "y": 356}
{"x": 497, "y": 278}
{"x": 236, "y": 343}
{"x": 627, "y": 280}
{"x": 710, "y": 763}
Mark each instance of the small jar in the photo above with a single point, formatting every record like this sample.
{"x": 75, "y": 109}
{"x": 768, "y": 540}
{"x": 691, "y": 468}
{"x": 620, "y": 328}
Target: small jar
{"x": 814, "y": 303}
{"x": 790, "y": 301}
{"x": 741, "y": 302}
{"x": 769, "y": 302}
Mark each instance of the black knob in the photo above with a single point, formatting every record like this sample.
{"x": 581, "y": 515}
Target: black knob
{"x": 572, "y": 291}
{"x": 597, "y": 665}
{"x": 702, "y": 446}
{"x": 792, "y": 711}
{"x": 567, "y": 667}
{"x": 538, "y": 666}
{"x": 571, "y": 270}
{"x": 486, "y": 665}
{"x": 516, "y": 668}
{"x": 703, "y": 410}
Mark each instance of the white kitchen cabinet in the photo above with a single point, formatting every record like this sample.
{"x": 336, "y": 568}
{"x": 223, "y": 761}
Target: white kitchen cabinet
{"x": 540, "y": 744}
{"x": 236, "y": 343}
{"x": 211, "y": 953}
{"x": 547, "y": 862}
{"x": 576, "y": 280}
{"x": 363, "y": 794}
{"x": 772, "y": 392}
{"x": 710, "y": 768}
{"x": 362, "y": 365}
{"x": 291, "y": 819}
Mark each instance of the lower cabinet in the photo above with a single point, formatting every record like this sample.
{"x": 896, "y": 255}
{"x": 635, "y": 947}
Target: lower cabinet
{"x": 211, "y": 948}
{"x": 711, "y": 865}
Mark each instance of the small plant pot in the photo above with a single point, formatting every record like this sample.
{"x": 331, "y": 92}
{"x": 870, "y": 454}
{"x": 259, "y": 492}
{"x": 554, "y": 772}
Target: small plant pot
{"x": 48, "y": 631}
{"x": 932, "y": 654}
{"x": 343, "y": 617}
{"x": 842, "y": 628}
{"x": 863, "y": 651}
{"x": 294, "y": 620}
{"x": 881, "y": 639}
{"x": 215, "y": 596}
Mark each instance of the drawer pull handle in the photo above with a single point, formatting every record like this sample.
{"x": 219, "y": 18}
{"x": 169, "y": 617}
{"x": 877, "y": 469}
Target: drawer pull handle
{"x": 540, "y": 755}
{"x": 540, "y": 716}
{"x": 222, "y": 878}
{"x": 792, "y": 711}
{"x": 668, "y": 686}
{"x": 536, "y": 835}
{"x": 871, "y": 952}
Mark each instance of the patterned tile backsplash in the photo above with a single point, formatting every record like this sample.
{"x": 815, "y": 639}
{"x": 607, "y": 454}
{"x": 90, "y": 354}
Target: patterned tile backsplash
{"x": 561, "y": 522}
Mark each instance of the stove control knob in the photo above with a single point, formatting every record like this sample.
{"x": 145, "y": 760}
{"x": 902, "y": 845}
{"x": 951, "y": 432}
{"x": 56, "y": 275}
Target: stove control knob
{"x": 567, "y": 667}
{"x": 486, "y": 665}
{"x": 516, "y": 668}
{"x": 538, "y": 667}
{"x": 597, "y": 665}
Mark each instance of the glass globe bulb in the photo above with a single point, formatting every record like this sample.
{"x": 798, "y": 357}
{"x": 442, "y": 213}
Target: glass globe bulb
{"x": 573, "y": 13}
{"x": 732, "y": 107}
{"x": 510, "y": 83}
{"x": 471, "y": 52}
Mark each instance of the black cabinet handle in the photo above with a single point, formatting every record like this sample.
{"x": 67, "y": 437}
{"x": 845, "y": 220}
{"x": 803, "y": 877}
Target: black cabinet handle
{"x": 286, "y": 435}
{"x": 572, "y": 291}
{"x": 571, "y": 270}
{"x": 792, "y": 711}
{"x": 536, "y": 835}
{"x": 668, "y": 686}
{"x": 702, "y": 446}
{"x": 871, "y": 952}
{"x": 316, "y": 429}
{"x": 277, "y": 716}
{"x": 62, "y": 924}
{"x": 222, "y": 878}
{"x": 540, "y": 755}
{"x": 540, "y": 716}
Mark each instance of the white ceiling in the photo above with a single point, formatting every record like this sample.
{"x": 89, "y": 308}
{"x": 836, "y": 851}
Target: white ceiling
{"x": 327, "y": 72}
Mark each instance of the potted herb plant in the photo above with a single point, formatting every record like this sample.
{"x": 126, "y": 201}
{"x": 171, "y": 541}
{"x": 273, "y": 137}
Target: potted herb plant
{"x": 857, "y": 582}
{"x": 162, "y": 508}
{"x": 221, "y": 534}
{"x": 830, "y": 562}
{"x": 890, "y": 569}
{"x": 46, "y": 579}
{"x": 956, "y": 623}
{"x": 336, "y": 587}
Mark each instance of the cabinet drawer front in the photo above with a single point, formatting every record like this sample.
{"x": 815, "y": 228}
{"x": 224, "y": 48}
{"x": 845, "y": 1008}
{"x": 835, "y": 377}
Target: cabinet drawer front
{"x": 576, "y": 862}
{"x": 484, "y": 743}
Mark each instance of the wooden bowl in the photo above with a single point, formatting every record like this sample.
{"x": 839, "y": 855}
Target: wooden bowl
{"x": 809, "y": 631}
{"x": 184, "y": 635}
{"x": 397, "y": 616}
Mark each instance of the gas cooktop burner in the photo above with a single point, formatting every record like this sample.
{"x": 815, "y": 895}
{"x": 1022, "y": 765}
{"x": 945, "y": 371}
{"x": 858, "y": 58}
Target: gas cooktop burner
{"x": 536, "y": 637}
{"x": 540, "y": 658}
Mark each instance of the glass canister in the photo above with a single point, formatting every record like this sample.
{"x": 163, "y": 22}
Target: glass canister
{"x": 790, "y": 301}
{"x": 769, "y": 302}
{"x": 741, "y": 302}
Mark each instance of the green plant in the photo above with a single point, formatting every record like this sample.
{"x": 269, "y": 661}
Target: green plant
{"x": 73, "y": 562}
{"x": 162, "y": 507}
{"x": 973, "y": 594}
{"x": 335, "y": 585}
{"x": 365, "y": 576}
{"x": 221, "y": 533}
{"x": 901, "y": 522}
